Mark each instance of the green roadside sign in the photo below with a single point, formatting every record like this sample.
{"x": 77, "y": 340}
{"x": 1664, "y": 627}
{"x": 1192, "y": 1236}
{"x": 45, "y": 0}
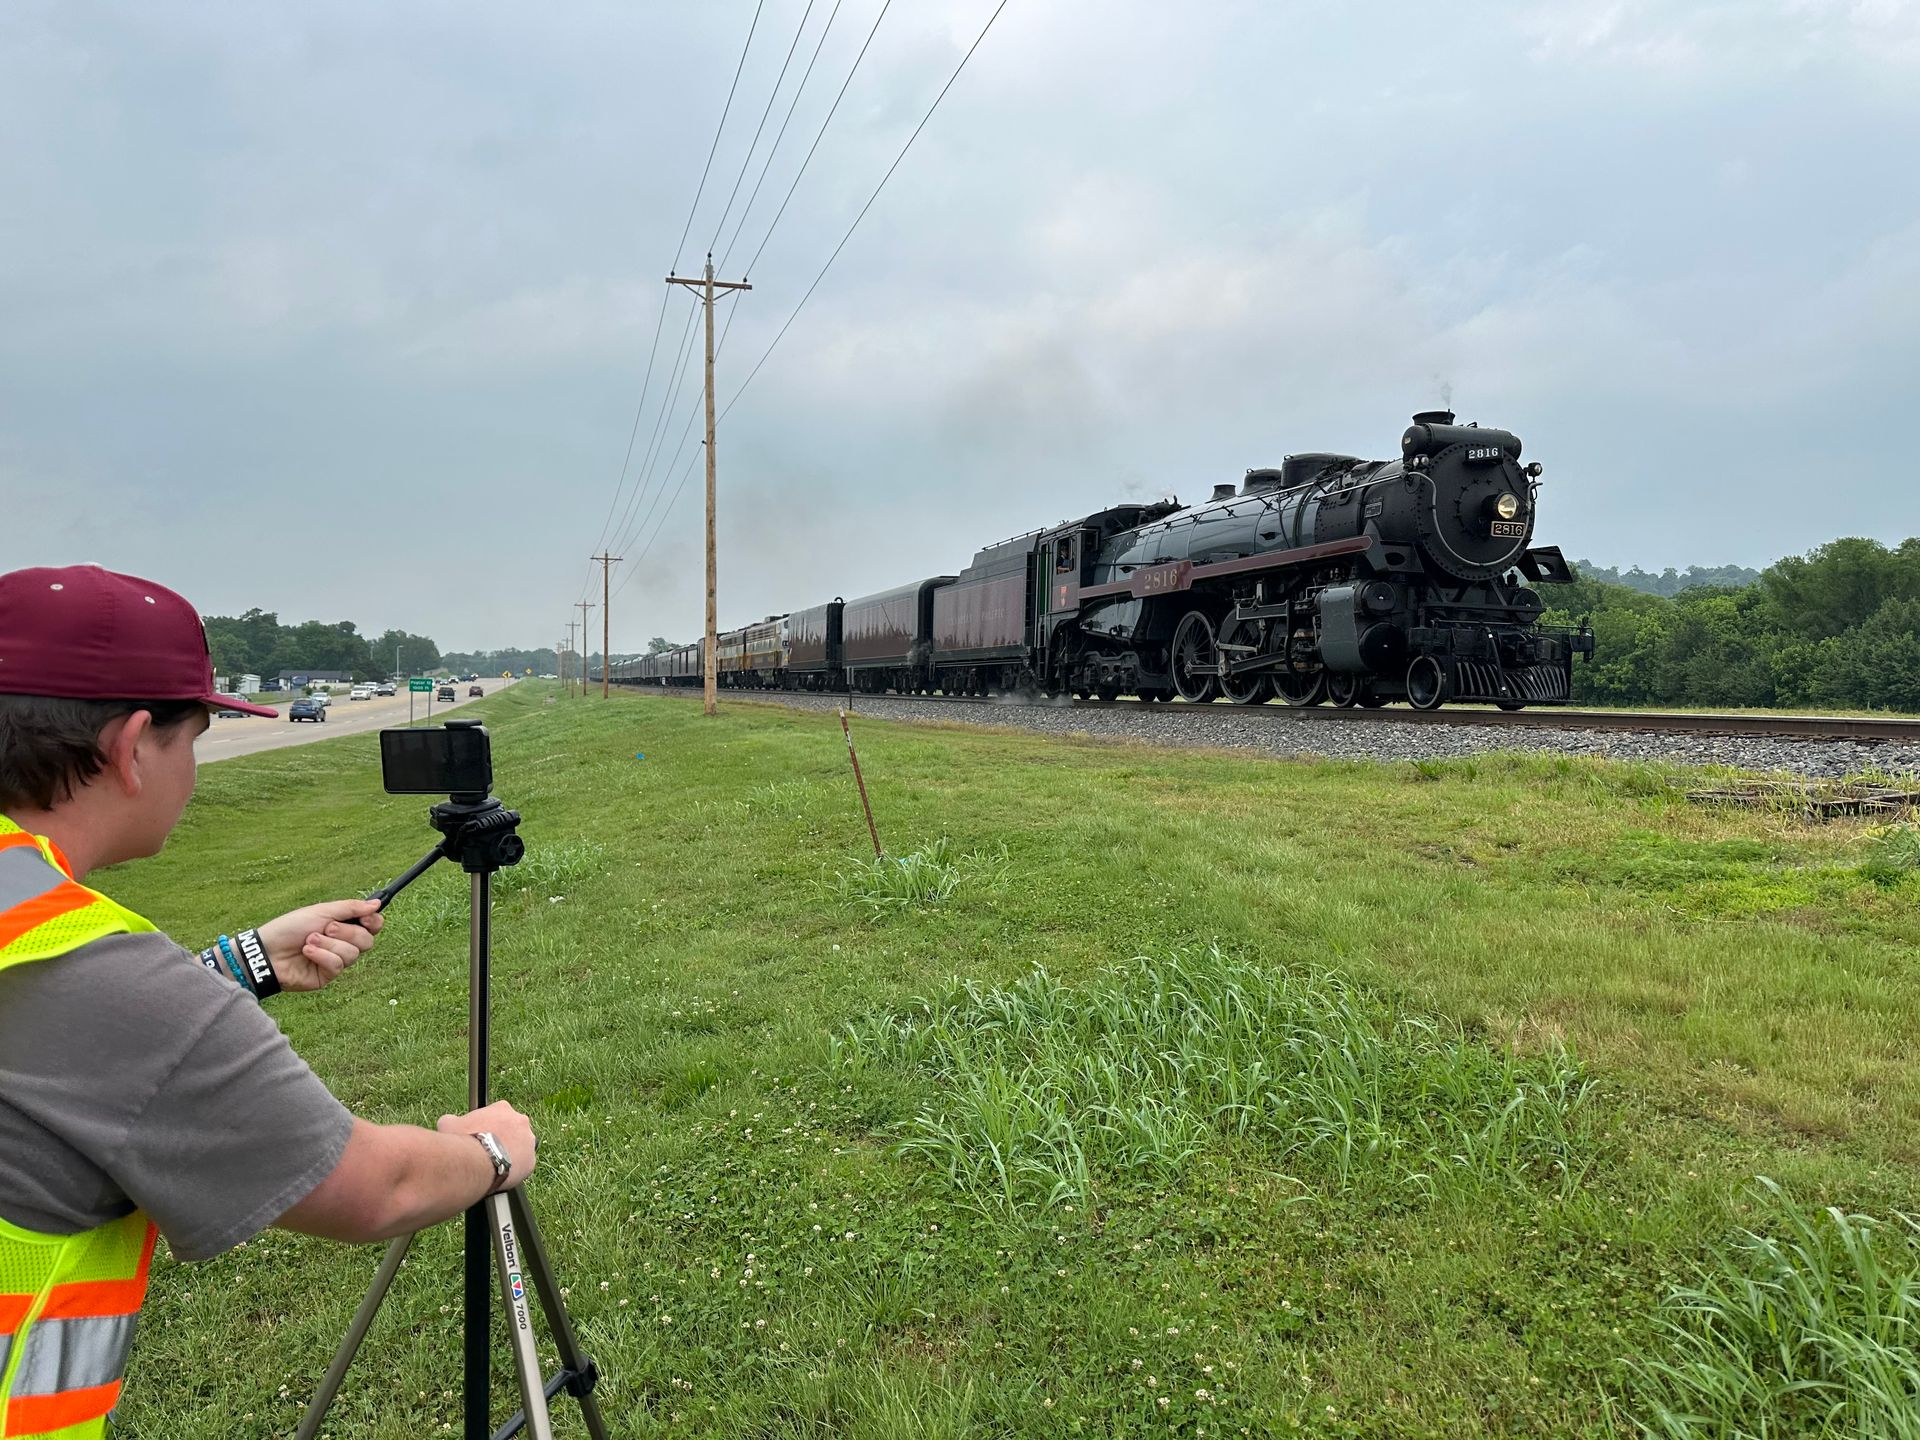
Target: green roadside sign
{"x": 420, "y": 686}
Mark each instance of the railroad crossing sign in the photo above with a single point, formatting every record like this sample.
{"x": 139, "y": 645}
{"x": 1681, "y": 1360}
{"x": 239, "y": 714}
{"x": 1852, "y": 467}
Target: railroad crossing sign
{"x": 420, "y": 685}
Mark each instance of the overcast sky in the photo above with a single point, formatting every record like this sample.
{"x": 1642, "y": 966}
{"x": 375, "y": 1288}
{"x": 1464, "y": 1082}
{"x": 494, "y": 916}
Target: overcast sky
{"x": 343, "y": 310}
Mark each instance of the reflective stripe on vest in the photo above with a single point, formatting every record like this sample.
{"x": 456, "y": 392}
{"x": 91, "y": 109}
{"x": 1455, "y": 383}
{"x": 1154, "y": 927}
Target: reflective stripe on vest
{"x": 68, "y": 1303}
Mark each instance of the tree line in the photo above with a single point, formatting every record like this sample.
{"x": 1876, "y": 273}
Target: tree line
{"x": 1668, "y": 582}
{"x": 1839, "y": 626}
{"x": 257, "y": 643}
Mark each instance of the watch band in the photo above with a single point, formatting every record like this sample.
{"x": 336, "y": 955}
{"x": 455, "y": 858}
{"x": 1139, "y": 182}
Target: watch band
{"x": 502, "y": 1166}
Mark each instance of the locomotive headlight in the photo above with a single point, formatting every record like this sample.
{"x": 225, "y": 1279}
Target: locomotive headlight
{"x": 1507, "y": 506}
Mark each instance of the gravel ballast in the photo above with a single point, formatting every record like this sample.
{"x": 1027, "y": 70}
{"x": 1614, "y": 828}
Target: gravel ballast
{"x": 1275, "y": 731}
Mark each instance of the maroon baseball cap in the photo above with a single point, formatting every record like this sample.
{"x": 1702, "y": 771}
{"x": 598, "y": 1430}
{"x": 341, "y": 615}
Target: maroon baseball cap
{"x": 83, "y": 633}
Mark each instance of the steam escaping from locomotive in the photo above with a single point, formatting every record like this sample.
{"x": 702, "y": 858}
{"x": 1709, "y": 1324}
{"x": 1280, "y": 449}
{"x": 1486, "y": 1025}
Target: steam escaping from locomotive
{"x": 1325, "y": 579}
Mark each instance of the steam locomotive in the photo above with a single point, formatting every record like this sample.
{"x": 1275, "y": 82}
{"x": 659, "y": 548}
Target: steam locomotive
{"x": 1329, "y": 579}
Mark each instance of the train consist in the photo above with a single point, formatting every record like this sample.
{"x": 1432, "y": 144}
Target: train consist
{"x": 1330, "y": 579}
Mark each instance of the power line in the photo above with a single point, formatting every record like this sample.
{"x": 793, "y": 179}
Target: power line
{"x": 660, "y": 436}
{"x": 717, "y": 132}
{"x": 818, "y": 135}
{"x": 746, "y": 161}
{"x": 639, "y": 408}
{"x": 684, "y": 350}
{"x": 786, "y": 120}
{"x": 869, "y": 205}
{"x": 685, "y": 431}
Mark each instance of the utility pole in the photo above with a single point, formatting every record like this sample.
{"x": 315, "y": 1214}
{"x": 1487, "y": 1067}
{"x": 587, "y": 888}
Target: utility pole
{"x": 572, "y": 625}
{"x": 708, "y": 284}
{"x": 606, "y": 616}
{"x": 583, "y": 606}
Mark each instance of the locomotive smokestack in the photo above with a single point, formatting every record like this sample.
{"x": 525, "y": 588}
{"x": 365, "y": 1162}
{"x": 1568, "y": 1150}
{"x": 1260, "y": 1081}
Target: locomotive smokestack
{"x": 1434, "y": 417}
{"x": 1223, "y": 492}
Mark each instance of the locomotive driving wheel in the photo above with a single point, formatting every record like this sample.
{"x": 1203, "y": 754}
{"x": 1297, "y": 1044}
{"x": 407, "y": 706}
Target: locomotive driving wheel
{"x": 1344, "y": 690}
{"x": 1194, "y": 649}
{"x": 1428, "y": 683}
{"x": 1300, "y": 687}
{"x": 1237, "y": 640}
{"x": 1302, "y": 680}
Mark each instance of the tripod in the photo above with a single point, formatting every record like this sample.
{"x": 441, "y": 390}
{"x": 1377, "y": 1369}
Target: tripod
{"x": 480, "y": 834}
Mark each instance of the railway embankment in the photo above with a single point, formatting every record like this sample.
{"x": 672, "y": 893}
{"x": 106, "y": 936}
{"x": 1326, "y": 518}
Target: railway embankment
{"x": 1135, "y": 1090}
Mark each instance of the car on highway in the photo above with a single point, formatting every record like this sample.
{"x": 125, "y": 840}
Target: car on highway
{"x": 446, "y": 693}
{"x": 385, "y": 687}
{"x": 473, "y": 690}
{"x": 360, "y": 692}
{"x": 322, "y": 698}
{"x": 307, "y": 707}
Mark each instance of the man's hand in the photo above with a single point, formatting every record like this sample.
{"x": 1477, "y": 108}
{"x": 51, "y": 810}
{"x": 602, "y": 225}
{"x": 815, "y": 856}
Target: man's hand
{"x": 507, "y": 1125}
{"x": 310, "y": 947}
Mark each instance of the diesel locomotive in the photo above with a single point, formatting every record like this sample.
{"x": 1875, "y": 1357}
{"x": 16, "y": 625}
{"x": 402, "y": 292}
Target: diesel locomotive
{"x": 1327, "y": 579}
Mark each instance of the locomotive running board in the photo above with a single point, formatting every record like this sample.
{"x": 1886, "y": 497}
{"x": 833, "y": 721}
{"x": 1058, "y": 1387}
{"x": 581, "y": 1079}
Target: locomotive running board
{"x": 1184, "y": 574}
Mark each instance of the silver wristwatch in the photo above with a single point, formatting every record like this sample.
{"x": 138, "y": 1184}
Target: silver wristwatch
{"x": 502, "y": 1166}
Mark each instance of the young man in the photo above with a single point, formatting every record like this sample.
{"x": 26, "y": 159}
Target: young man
{"x": 142, "y": 1087}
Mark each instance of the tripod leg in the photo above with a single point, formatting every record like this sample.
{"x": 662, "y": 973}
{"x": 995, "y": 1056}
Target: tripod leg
{"x": 477, "y": 1325}
{"x": 571, "y": 1356}
{"x": 350, "y": 1344}
{"x": 513, "y": 1290}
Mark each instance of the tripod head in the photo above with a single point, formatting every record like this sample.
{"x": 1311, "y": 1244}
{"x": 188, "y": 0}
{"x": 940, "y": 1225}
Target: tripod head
{"x": 481, "y": 836}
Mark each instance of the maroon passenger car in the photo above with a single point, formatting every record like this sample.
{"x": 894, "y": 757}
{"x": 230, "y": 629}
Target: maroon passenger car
{"x": 886, "y": 639}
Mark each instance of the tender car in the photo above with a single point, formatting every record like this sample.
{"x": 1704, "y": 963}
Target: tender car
{"x": 360, "y": 692}
{"x": 473, "y": 690}
{"x": 446, "y": 693}
{"x": 307, "y": 707}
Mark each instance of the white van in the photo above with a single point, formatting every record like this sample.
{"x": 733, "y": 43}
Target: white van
{"x": 360, "y": 692}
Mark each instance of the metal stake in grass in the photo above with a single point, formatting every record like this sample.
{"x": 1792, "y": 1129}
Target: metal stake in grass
{"x": 852, "y": 755}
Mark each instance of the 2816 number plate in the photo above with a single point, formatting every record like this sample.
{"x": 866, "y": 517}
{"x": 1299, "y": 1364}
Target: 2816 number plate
{"x": 1509, "y": 529}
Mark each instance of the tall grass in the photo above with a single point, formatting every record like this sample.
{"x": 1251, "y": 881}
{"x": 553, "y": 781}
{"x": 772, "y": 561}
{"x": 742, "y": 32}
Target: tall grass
{"x": 1813, "y": 1330}
{"x": 1049, "y": 1091}
{"x": 1892, "y": 855}
{"x": 931, "y": 875}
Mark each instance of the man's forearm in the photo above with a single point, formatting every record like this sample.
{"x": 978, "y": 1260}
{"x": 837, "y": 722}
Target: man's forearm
{"x": 440, "y": 1174}
{"x": 393, "y": 1179}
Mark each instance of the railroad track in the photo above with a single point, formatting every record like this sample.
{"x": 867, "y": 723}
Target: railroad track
{"x": 1859, "y": 730}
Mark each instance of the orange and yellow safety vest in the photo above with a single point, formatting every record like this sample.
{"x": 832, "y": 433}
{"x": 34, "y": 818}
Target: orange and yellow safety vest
{"x": 68, "y": 1303}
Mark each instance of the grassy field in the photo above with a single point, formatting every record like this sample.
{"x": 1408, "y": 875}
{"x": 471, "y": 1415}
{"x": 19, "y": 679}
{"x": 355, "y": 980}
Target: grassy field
{"x": 1155, "y": 1093}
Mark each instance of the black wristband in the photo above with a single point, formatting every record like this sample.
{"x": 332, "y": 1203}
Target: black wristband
{"x": 259, "y": 968}
{"x": 210, "y": 957}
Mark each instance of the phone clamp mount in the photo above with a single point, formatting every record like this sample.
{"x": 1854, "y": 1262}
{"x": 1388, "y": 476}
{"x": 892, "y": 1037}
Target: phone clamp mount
{"x": 480, "y": 835}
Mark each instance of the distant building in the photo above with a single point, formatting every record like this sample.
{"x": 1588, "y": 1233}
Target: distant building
{"x": 248, "y": 685}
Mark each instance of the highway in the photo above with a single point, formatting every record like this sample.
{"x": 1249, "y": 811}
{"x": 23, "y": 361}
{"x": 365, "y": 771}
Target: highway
{"x": 225, "y": 739}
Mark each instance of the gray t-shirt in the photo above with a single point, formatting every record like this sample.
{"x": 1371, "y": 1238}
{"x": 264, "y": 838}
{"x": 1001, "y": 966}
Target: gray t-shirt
{"x": 132, "y": 1076}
